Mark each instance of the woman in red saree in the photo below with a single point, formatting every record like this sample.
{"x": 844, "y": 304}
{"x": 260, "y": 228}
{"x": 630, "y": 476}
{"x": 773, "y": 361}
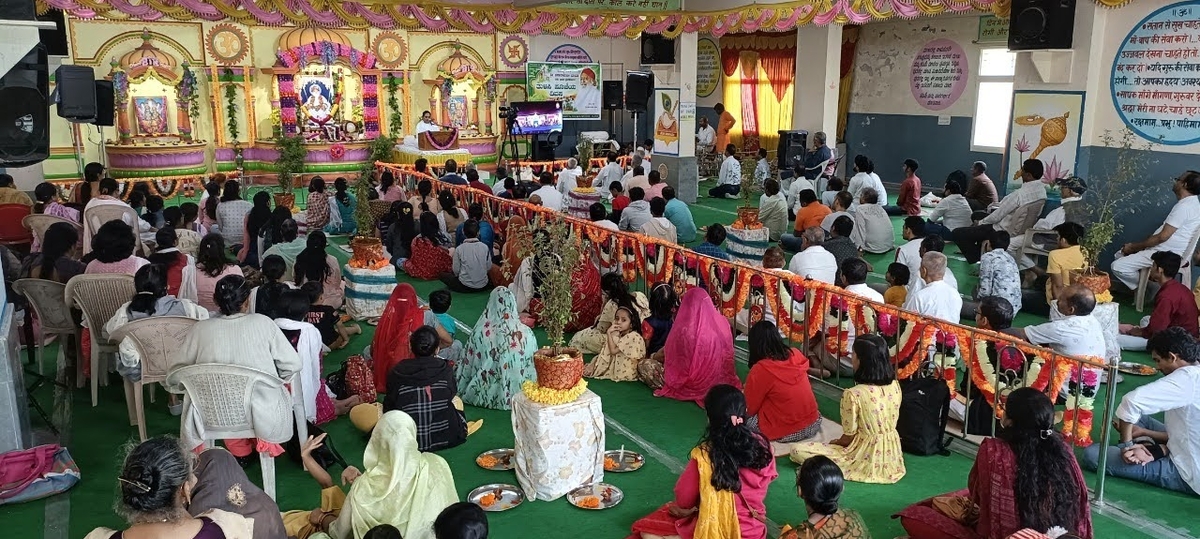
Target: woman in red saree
{"x": 429, "y": 255}
{"x": 699, "y": 350}
{"x": 401, "y": 317}
{"x": 585, "y": 292}
{"x": 1027, "y": 477}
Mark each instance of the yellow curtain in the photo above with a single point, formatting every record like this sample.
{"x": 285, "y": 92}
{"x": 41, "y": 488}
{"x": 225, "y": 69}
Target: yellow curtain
{"x": 772, "y": 114}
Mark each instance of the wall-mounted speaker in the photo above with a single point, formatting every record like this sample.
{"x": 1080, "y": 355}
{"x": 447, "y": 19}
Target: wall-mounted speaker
{"x": 1041, "y": 24}
{"x": 105, "y": 103}
{"x": 638, "y": 85}
{"x": 75, "y": 88}
{"x": 25, "y": 111}
{"x": 613, "y": 95}
{"x": 657, "y": 50}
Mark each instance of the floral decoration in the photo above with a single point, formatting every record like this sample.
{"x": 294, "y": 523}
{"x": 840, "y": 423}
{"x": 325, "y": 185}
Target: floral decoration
{"x": 337, "y": 152}
{"x": 545, "y": 395}
{"x": 231, "y": 109}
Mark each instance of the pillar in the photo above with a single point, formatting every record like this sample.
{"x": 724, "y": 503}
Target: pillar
{"x": 818, "y": 66}
{"x": 682, "y": 172}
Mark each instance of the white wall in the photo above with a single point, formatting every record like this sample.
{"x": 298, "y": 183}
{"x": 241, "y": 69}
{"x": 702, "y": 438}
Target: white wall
{"x": 885, "y": 55}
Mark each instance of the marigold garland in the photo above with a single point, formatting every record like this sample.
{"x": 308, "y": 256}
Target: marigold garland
{"x": 637, "y": 255}
{"x": 552, "y": 397}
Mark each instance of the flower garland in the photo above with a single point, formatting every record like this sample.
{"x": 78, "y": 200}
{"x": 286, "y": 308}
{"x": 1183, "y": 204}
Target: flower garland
{"x": 370, "y": 105}
{"x": 552, "y": 397}
{"x": 287, "y": 103}
{"x": 231, "y": 103}
{"x": 188, "y": 91}
{"x": 395, "y": 126}
{"x": 910, "y": 336}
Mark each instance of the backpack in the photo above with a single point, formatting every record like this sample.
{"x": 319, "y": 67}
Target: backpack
{"x": 354, "y": 378}
{"x": 924, "y": 411}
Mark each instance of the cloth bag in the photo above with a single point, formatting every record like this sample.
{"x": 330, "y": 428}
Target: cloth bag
{"x": 33, "y": 474}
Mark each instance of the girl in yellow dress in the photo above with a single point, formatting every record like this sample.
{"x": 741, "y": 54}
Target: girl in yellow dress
{"x": 623, "y": 349}
{"x": 869, "y": 449}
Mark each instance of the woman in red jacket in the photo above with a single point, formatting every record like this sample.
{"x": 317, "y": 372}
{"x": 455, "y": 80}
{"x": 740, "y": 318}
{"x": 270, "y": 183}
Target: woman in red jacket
{"x": 778, "y": 394}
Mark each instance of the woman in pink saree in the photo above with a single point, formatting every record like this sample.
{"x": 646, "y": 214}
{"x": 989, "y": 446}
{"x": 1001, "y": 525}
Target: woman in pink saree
{"x": 699, "y": 351}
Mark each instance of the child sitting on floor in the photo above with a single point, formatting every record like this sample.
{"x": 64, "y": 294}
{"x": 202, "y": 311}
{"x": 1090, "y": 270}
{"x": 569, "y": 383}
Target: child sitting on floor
{"x": 623, "y": 349}
{"x": 334, "y": 333}
{"x": 897, "y": 278}
{"x": 439, "y": 305}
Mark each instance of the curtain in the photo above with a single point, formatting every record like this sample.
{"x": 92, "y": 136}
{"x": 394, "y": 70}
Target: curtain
{"x": 846, "y": 88}
{"x": 758, "y": 87}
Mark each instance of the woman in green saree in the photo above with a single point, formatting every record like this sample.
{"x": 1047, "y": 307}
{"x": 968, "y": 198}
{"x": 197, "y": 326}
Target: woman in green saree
{"x": 499, "y": 355}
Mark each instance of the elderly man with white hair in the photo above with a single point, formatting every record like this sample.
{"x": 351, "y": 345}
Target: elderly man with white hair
{"x": 566, "y": 176}
{"x": 638, "y": 160}
{"x": 813, "y": 261}
{"x": 936, "y": 299}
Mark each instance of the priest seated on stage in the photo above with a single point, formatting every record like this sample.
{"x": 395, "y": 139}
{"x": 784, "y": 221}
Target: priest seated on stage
{"x": 426, "y": 123}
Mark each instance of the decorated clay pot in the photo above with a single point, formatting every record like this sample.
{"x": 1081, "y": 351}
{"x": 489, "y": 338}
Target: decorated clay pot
{"x": 584, "y": 181}
{"x": 558, "y": 371}
{"x": 747, "y": 216}
{"x": 1094, "y": 280}
{"x": 287, "y": 200}
{"x": 368, "y": 253}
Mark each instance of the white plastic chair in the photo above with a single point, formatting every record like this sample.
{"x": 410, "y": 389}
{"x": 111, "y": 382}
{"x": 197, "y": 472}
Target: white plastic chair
{"x": 155, "y": 338}
{"x": 222, "y": 394}
{"x": 98, "y": 295}
{"x": 1185, "y": 271}
{"x": 47, "y": 299}
{"x": 95, "y": 217}
{"x": 38, "y": 223}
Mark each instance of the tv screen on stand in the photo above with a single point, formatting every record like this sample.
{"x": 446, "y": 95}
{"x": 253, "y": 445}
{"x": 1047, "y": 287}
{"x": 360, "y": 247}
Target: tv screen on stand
{"x": 538, "y": 118}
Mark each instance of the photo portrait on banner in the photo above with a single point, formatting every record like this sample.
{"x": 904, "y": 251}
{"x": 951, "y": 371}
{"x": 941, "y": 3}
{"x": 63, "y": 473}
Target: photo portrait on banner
{"x": 577, "y": 86}
{"x": 1045, "y": 126}
{"x": 666, "y": 121}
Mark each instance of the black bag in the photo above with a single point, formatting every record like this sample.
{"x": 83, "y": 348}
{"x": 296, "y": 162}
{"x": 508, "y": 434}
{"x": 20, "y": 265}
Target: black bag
{"x": 325, "y": 456}
{"x": 336, "y": 382}
{"x": 924, "y": 410}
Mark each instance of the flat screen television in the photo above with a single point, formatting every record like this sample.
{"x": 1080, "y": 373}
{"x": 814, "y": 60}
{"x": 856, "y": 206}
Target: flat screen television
{"x": 538, "y": 118}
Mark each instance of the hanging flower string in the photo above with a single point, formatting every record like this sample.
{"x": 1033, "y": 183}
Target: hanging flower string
{"x": 801, "y": 305}
{"x": 231, "y": 109}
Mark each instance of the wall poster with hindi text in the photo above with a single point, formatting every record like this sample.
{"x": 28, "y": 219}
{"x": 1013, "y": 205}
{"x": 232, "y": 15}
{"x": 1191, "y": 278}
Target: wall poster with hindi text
{"x": 1156, "y": 76}
{"x": 577, "y": 86}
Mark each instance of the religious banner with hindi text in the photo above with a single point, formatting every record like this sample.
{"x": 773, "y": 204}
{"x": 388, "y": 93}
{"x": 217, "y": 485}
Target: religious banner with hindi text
{"x": 1156, "y": 76}
{"x": 575, "y": 85}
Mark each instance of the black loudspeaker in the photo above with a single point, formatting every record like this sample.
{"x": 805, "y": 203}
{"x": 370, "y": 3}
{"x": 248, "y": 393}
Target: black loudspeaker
{"x": 791, "y": 144}
{"x": 105, "y": 103}
{"x": 75, "y": 87}
{"x": 25, "y": 111}
{"x": 612, "y": 95}
{"x": 56, "y": 39}
{"x": 18, "y": 10}
{"x": 657, "y": 50}
{"x": 1041, "y": 24}
{"x": 638, "y": 85}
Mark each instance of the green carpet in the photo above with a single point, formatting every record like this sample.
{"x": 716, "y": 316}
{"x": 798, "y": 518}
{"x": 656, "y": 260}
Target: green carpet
{"x": 661, "y": 427}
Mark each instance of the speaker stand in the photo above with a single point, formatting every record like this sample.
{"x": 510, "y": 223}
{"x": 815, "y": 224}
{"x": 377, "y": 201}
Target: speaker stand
{"x": 634, "y": 114}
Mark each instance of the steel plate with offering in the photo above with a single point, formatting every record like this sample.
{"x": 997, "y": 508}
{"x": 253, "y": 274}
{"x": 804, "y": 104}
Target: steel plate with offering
{"x": 596, "y": 496}
{"x": 621, "y": 461}
{"x": 497, "y": 497}
{"x": 497, "y": 460}
{"x": 1136, "y": 369}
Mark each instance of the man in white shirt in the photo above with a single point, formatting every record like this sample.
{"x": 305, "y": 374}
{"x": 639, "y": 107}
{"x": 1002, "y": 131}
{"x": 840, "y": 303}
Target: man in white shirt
{"x": 909, "y": 254}
{"x": 929, "y": 244}
{"x": 1140, "y": 456}
{"x": 1078, "y": 333}
{"x": 853, "y": 277}
{"x": 635, "y": 161}
{"x": 794, "y": 188}
{"x": 953, "y": 212}
{"x": 610, "y": 173}
{"x": 426, "y": 123}
{"x": 872, "y": 227}
{"x": 599, "y": 216}
{"x": 566, "y": 176}
{"x": 1071, "y": 191}
{"x": 1005, "y": 217}
{"x": 865, "y": 177}
{"x": 814, "y": 262}
{"x": 936, "y": 299}
{"x": 1174, "y": 235}
{"x": 550, "y": 196}
{"x": 762, "y": 169}
{"x": 705, "y": 135}
{"x": 637, "y": 213}
{"x": 729, "y": 180}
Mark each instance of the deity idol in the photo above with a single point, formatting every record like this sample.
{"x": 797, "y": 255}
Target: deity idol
{"x": 317, "y": 108}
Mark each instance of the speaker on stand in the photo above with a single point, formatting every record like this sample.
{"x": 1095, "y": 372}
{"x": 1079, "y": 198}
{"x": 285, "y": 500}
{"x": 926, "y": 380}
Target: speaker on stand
{"x": 638, "y": 87}
{"x": 791, "y": 144}
{"x": 25, "y": 112}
